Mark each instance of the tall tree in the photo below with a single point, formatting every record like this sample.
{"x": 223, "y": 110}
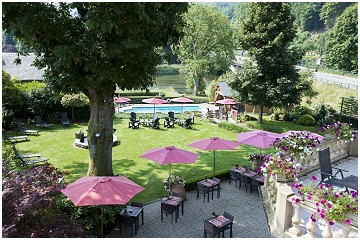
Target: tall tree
{"x": 206, "y": 46}
{"x": 341, "y": 45}
{"x": 270, "y": 78}
{"x": 94, "y": 47}
{"x": 307, "y": 15}
{"x": 331, "y": 10}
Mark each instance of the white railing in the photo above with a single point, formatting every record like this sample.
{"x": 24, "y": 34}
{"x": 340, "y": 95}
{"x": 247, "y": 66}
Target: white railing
{"x": 284, "y": 217}
{"x": 302, "y": 224}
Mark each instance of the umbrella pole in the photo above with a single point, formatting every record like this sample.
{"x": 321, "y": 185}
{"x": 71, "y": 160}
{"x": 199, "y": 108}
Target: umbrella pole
{"x": 214, "y": 163}
{"x": 102, "y": 221}
{"x": 170, "y": 180}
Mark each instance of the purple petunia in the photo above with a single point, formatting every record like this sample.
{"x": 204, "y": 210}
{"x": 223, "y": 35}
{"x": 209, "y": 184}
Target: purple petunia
{"x": 348, "y": 221}
{"x": 313, "y": 178}
{"x": 331, "y": 223}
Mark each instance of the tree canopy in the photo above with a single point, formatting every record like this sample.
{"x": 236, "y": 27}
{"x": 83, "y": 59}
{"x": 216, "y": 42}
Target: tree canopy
{"x": 94, "y": 47}
{"x": 270, "y": 78}
{"x": 206, "y": 46}
{"x": 341, "y": 45}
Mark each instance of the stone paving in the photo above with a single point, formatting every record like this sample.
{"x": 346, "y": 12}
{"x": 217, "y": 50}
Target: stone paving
{"x": 249, "y": 216}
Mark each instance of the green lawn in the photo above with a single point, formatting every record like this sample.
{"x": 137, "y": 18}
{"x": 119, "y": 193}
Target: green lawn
{"x": 56, "y": 143}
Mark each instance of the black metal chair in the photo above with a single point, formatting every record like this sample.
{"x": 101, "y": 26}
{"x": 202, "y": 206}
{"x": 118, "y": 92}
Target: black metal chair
{"x": 217, "y": 187}
{"x": 204, "y": 190}
{"x": 169, "y": 123}
{"x": 187, "y": 123}
{"x": 326, "y": 170}
{"x": 133, "y": 122}
{"x": 140, "y": 205}
{"x": 228, "y": 227}
{"x": 245, "y": 181}
{"x": 169, "y": 209}
{"x": 65, "y": 119}
{"x": 234, "y": 176}
{"x": 171, "y": 116}
{"x": 127, "y": 221}
{"x": 211, "y": 230}
{"x": 255, "y": 184}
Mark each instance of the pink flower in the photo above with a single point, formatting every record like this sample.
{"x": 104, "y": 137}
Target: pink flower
{"x": 348, "y": 221}
{"x": 331, "y": 223}
{"x": 313, "y": 178}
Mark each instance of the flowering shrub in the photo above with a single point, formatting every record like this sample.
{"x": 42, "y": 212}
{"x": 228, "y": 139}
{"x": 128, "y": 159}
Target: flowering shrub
{"x": 173, "y": 180}
{"x": 28, "y": 204}
{"x": 331, "y": 205}
{"x": 279, "y": 163}
{"x": 342, "y": 131}
{"x": 297, "y": 144}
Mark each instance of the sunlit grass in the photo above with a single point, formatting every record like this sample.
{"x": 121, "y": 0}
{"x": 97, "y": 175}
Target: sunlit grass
{"x": 56, "y": 143}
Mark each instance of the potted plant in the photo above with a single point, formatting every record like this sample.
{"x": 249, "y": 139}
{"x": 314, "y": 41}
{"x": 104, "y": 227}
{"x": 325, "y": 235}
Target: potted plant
{"x": 256, "y": 160}
{"x": 177, "y": 185}
{"x": 283, "y": 167}
{"x": 331, "y": 205}
{"x": 297, "y": 144}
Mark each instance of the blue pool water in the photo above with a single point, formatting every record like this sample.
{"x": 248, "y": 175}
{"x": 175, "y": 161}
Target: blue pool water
{"x": 163, "y": 109}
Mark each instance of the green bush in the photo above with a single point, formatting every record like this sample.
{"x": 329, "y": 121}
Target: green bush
{"x": 232, "y": 127}
{"x": 247, "y": 118}
{"x": 291, "y": 116}
{"x": 302, "y": 110}
{"x": 306, "y": 120}
{"x": 166, "y": 70}
{"x": 269, "y": 128}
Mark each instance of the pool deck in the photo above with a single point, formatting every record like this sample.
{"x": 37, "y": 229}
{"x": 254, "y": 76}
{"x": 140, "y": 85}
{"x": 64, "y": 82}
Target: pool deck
{"x": 203, "y": 106}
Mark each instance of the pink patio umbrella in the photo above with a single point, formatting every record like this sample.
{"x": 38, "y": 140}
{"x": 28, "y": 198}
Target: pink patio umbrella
{"x": 182, "y": 100}
{"x": 258, "y": 138}
{"x": 122, "y": 100}
{"x": 214, "y": 143}
{"x": 314, "y": 135}
{"x": 169, "y": 155}
{"x": 154, "y": 101}
{"x": 227, "y": 101}
{"x": 97, "y": 190}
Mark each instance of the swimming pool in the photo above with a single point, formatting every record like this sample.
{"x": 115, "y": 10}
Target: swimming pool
{"x": 163, "y": 109}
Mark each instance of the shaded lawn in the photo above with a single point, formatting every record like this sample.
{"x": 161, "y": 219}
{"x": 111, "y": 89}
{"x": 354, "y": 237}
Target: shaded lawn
{"x": 56, "y": 143}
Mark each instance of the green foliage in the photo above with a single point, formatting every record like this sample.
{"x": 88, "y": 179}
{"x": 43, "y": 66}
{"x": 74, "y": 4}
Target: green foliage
{"x": 232, "y": 127}
{"x": 307, "y": 15}
{"x": 306, "y": 120}
{"x": 246, "y": 118}
{"x": 331, "y": 10}
{"x": 90, "y": 216}
{"x": 166, "y": 70}
{"x": 210, "y": 90}
{"x": 31, "y": 86}
{"x": 74, "y": 100}
{"x": 206, "y": 46}
{"x": 341, "y": 48}
{"x": 291, "y": 116}
{"x": 271, "y": 79}
{"x": 266, "y": 127}
{"x": 12, "y": 97}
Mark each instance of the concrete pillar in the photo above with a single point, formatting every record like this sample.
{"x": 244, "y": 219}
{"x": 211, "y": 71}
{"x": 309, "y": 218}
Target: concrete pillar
{"x": 354, "y": 147}
{"x": 284, "y": 209}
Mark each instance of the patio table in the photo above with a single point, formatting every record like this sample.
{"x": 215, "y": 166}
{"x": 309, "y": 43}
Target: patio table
{"x": 220, "y": 222}
{"x": 211, "y": 184}
{"x": 175, "y": 201}
{"x": 244, "y": 172}
{"x": 134, "y": 212}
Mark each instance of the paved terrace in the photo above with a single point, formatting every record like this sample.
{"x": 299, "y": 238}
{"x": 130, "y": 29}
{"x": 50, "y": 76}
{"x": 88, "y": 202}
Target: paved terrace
{"x": 249, "y": 216}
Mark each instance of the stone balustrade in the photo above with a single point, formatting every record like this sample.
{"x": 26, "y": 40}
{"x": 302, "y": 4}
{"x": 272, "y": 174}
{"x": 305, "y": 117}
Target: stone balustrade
{"x": 302, "y": 224}
{"x": 284, "y": 217}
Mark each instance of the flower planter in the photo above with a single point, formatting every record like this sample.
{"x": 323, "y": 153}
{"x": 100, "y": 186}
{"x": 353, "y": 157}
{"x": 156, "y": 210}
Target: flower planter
{"x": 179, "y": 188}
{"x": 281, "y": 178}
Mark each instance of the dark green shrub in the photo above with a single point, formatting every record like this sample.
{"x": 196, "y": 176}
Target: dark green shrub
{"x": 232, "y": 127}
{"x": 306, "y": 120}
{"x": 291, "y": 116}
{"x": 247, "y": 118}
{"x": 166, "y": 70}
{"x": 265, "y": 127}
{"x": 302, "y": 110}
{"x": 276, "y": 116}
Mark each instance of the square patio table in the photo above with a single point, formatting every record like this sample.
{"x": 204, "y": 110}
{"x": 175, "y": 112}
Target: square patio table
{"x": 245, "y": 172}
{"x": 350, "y": 182}
{"x": 220, "y": 222}
{"x": 175, "y": 201}
{"x": 134, "y": 212}
{"x": 209, "y": 183}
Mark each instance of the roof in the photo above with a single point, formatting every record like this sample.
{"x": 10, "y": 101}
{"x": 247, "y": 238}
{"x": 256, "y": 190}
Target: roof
{"x": 24, "y": 71}
{"x": 225, "y": 90}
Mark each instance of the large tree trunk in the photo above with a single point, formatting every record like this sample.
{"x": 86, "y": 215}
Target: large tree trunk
{"x": 100, "y": 132}
{"x": 260, "y": 114}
